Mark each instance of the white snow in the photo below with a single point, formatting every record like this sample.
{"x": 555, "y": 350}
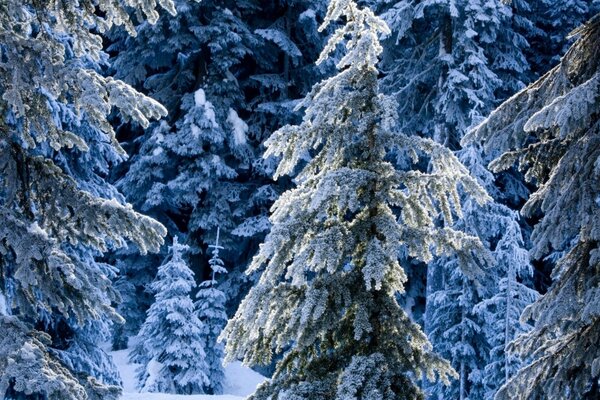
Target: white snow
{"x": 200, "y": 98}
{"x": 162, "y": 396}
{"x": 195, "y": 131}
{"x": 238, "y": 127}
{"x": 209, "y": 110}
{"x": 126, "y": 370}
{"x": 240, "y": 382}
{"x": 27, "y": 352}
{"x": 3, "y": 307}
{"x": 308, "y": 14}
{"x": 36, "y": 229}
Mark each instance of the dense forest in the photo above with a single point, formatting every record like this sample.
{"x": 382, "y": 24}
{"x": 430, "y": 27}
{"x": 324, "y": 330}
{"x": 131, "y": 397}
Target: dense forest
{"x": 359, "y": 199}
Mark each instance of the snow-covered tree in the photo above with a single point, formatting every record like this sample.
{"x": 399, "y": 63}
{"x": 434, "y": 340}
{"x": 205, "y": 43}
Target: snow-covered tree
{"x": 464, "y": 311}
{"x": 228, "y": 72}
{"x": 448, "y": 62}
{"x": 58, "y": 212}
{"x": 326, "y": 297}
{"x": 551, "y": 130}
{"x": 211, "y": 312}
{"x": 501, "y": 312}
{"x": 554, "y": 20}
{"x": 170, "y": 345}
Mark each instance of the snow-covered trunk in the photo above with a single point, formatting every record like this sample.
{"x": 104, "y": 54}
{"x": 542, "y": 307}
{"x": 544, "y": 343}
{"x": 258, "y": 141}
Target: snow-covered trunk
{"x": 3, "y": 304}
{"x": 434, "y": 283}
{"x": 511, "y": 273}
{"x": 463, "y": 339}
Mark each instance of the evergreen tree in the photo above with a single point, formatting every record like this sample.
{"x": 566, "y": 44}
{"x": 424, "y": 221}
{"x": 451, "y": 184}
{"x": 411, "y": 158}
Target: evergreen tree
{"x": 330, "y": 263}
{"x": 170, "y": 346}
{"x": 58, "y": 212}
{"x": 228, "y": 72}
{"x": 449, "y": 63}
{"x": 211, "y": 312}
{"x": 551, "y": 130}
{"x": 501, "y": 313}
{"x": 465, "y": 310}
{"x": 554, "y": 20}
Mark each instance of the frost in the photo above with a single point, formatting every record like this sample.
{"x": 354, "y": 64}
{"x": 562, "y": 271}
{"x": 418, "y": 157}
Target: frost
{"x": 3, "y": 305}
{"x": 329, "y": 265}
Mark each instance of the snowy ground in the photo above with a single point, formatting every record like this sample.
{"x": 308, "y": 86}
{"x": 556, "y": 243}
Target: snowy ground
{"x": 240, "y": 382}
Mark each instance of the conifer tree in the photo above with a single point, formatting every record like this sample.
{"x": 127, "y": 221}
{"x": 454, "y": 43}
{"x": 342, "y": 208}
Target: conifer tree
{"x": 448, "y": 64}
{"x": 58, "y": 212}
{"x": 500, "y": 314}
{"x": 170, "y": 346}
{"x": 326, "y": 297}
{"x": 551, "y": 130}
{"x": 465, "y": 311}
{"x": 228, "y": 72}
{"x": 553, "y": 22}
{"x": 211, "y": 312}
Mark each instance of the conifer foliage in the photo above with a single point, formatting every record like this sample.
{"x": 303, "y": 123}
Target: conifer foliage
{"x": 552, "y": 130}
{"x": 211, "y": 312}
{"x": 330, "y": 273}
{"x": 57, "y": 211}
{"x": 170, "y": 346}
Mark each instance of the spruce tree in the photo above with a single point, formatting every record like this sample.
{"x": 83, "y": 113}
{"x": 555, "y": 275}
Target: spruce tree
{"x": 326, "y": 297}
{"x": 211, "y": 312}
{"x": 201, "y": 167}
{"x": 170, "y": 346}
{"x": 553, "y": 22}
{"x": 448, "y": 64}
{"x": 551, "y": 130}
{"x": 59, "y": 214}
{"x": 501, "y": 312}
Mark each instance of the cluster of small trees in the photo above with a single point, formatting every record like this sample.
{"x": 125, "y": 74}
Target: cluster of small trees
{"x": 176, "y": 345}
{"x": 381, "y": 174}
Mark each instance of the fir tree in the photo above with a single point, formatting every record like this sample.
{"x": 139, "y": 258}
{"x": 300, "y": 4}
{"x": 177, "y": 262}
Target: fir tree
{"x": 553, "y": 21}
{"x": 551, "y": 130}
{"x": 170, "y": 346}
{"x": 58, "y": 212}
{"x": 449, "y": 63}
{"x": 201, "y": 168}
{"x": 211, "y": 312}
{"x": 327, "y": 295}
{"x": 501, "y": 312}
{"x": 466, "y": 307}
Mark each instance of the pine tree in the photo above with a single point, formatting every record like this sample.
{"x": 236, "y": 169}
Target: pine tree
{"x": 551, "y": 130}
{"x": 554, "y": 20}
{"x": 58, "y": 212}
{"x": 466, "y": 308}
{"x": 449, "y": 63}
{"x": 211, "y": 312}
{"x": 170, "y": 344}
{"x": 201, "y": 168}
{"x": 330, "y": 270}
{"x": 501, "y": 313}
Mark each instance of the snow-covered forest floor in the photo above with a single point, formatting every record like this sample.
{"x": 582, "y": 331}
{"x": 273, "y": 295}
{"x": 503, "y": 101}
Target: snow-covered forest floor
{"x": 240, "y": 382}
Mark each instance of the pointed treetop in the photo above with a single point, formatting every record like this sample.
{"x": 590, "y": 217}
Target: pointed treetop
{"x": 216, "y": 264}
{"x": 362, "y": 27}
{"x": 178, "y": 248}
